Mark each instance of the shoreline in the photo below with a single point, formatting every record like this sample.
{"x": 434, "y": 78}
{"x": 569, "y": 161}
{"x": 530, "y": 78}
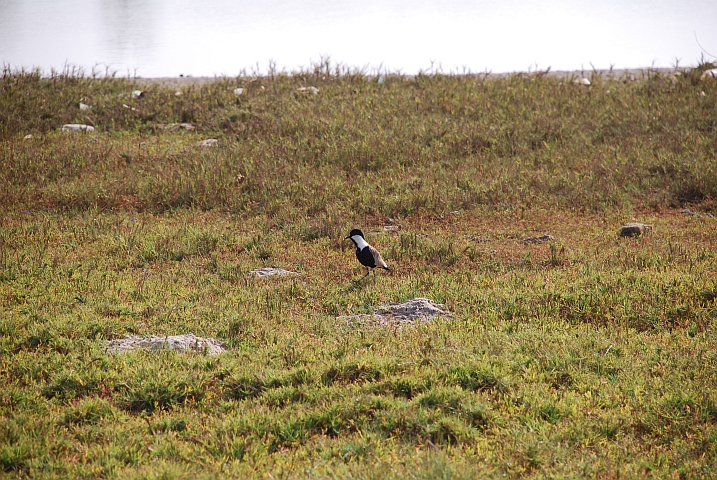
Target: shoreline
{"x": 604, "y": 73}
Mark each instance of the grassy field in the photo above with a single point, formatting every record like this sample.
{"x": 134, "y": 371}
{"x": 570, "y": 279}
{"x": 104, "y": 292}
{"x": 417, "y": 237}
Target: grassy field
{"x": 589, "y": 356}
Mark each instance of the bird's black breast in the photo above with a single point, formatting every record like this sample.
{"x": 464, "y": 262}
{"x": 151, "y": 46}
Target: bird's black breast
{"x": 365, "y": 257}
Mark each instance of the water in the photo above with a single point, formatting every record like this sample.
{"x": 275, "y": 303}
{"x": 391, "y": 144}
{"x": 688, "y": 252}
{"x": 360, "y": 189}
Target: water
{"x": 155, "y": 38}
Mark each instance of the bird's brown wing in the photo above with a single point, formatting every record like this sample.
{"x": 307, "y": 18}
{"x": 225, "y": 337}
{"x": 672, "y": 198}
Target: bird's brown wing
{"x": 377, "y": 258}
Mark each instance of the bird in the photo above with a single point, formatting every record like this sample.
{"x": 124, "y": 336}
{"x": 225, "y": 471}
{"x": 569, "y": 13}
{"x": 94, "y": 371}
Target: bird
{"x": 366, "y": 254}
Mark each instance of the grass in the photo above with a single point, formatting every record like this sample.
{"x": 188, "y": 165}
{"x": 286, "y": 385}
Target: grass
{"x": 588, "y": 356}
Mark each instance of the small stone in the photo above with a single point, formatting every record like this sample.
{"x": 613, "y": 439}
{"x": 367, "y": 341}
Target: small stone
{"x": 540, "y": 239}
{"x": 238, "y": 91}
{"x": 209, "y": 142}
{"x": 28, "y": 136}
{"x": 689, "y": 212}
{"x": 634, "y": 229}
{"x": 177, "y": 126}
{"x": 709, "y": 74}
{"x": 77, "y": 127}
{"x": 84, "y": 106}
{"x": 313, "y": 90}
{"x": 476, "y": 238}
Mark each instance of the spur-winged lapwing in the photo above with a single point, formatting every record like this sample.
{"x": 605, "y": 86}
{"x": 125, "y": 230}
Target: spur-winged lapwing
{"x": 366, "y": 254}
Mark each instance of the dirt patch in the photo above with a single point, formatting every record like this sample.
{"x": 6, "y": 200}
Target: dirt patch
{"x": 399, "y": 314}
{"x": 181, "y": 343}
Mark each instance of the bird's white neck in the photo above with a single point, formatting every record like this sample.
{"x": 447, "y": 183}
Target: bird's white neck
{"x": 359, "y": 241}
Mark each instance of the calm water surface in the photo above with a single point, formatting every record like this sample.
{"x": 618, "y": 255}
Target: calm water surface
{"x": 153, "y": 38}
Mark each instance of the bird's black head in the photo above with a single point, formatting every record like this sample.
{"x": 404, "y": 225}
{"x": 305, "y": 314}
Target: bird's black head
{"x": 355, "y": 231}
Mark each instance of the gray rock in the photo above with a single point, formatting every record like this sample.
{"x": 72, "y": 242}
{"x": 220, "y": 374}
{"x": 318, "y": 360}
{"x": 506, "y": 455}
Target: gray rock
{"x": 174, "y": 127}
{"x": 400, "y": 314}
{"x": 182, "y": 343}
{"x": 269, "y": 271}
{"x": 689, "y": 212}
{"x": 540, "y": 239}
{"x": 312, "y": 89}
{"x": 77, "y": 127}
{"x": 634, "y": 229}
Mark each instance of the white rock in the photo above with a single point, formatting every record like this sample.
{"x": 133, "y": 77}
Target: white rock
{"x": 209, "y": 142}
{"x": 177, "y": 126}
{"x": 400, "y": 314}
{"x": 28, "y": 136}
{"x": 77, "y": 127}
{"x": 238, "y": 91}
{"x": 84, "y": 106}
{"x": 313, "y": 90}
{"x": 709, "y": 74}
{"x": 181, "y": 343}
{"x": 269, "y": 271}
{"x": 415, "y": 309}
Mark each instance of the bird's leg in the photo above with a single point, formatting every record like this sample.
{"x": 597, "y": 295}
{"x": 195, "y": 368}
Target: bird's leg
{"x": 368, "y": 270}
